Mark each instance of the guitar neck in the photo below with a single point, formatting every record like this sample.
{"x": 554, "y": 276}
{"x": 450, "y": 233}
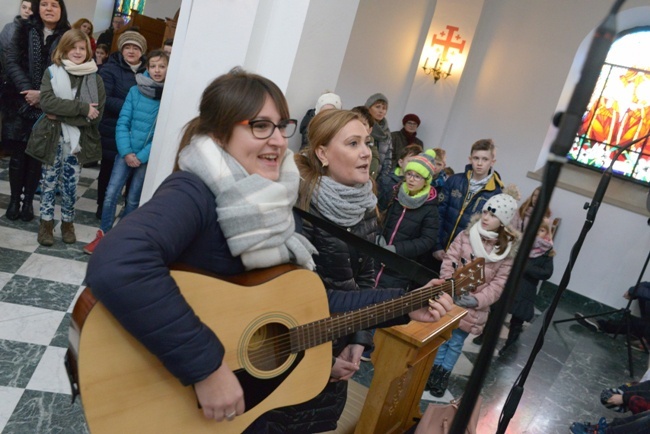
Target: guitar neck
{"x": 328, "y": 329}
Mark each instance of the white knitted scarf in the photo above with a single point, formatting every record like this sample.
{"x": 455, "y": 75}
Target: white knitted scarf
{"x": 475, "y": 240}
{"x": 62, "y": 88}
{"x": 255, "y": 213}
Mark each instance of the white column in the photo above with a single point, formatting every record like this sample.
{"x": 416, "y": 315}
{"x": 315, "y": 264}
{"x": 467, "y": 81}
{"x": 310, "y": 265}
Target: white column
{"x": 212, "y": 37}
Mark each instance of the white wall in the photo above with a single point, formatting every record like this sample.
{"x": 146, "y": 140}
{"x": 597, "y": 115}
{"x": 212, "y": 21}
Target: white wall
{"x": 8, "y": 11}
{"x": 161, "y": 8}
{"x": 383, "y": 52}
{"x": 431, "y": 101}
{"x": 521, "y": 57}
{"x": 80, "y": 9}
{"x": 322, "y": 47}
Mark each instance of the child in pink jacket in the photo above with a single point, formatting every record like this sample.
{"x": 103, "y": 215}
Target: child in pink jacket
{"x": 488, "y": 236}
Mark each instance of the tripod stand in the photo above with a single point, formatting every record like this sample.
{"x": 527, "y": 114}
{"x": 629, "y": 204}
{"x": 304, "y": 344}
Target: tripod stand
{"x": 627, "y": 319}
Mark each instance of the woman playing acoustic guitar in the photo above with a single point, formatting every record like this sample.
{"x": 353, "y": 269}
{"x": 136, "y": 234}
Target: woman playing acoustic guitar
{"x": 226, "y": 210}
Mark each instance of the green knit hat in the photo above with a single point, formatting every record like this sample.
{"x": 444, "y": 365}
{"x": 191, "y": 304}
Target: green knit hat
{"x": 423, "y": 164}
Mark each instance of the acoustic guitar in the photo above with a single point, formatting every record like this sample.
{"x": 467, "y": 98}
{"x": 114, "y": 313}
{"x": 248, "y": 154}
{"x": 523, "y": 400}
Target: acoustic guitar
{"x": 275, "y": 326}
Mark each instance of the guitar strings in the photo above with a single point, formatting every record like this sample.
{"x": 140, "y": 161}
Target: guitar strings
{"x": 280, "y": 347}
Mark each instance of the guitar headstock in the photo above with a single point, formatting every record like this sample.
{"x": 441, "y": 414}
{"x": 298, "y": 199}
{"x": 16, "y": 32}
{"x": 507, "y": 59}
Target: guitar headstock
{"x": 469, "y": 277}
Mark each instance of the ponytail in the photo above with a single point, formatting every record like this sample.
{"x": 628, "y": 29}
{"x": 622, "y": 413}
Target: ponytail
{"x": 190, "y": 130}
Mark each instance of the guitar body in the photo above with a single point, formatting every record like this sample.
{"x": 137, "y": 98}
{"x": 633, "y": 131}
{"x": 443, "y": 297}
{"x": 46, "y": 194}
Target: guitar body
{"x": 126, "y": 389}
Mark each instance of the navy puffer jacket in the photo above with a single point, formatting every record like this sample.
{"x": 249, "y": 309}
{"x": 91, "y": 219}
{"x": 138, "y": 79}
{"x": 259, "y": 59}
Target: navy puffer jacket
{"x": 118, "y": 79}
{"x": 455, "y": 213}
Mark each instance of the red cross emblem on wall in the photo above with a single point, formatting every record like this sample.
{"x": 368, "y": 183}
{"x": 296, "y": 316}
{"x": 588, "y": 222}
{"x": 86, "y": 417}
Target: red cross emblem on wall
{"x": 448, "y": 41}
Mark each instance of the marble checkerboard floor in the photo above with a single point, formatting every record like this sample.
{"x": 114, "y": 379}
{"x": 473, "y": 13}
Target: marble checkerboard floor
{"x": 39, "y": 286}
{"x": 38, "y": 289}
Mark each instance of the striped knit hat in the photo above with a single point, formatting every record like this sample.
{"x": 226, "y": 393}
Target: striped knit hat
{"x": 423, "y": 165}
{"x": 133, "y": 38}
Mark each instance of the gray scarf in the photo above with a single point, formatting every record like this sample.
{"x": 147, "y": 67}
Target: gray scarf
{"x": 412, "y": 202}
{"x": 342, "y": 204}
{"x": 148, "y": 87}
{"x": 255, "y": 213}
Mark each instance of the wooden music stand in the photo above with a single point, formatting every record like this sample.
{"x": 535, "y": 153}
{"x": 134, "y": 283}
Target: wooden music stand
{"x": 402, "y": 359}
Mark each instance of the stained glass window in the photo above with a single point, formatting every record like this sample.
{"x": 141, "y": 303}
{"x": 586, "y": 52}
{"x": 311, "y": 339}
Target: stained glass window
{"x": 124, "y": 7}
{"x": 619, "y": 111}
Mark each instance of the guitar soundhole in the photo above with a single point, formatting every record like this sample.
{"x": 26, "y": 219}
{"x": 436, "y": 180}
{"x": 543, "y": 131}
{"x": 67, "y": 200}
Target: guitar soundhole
{"x": 269, "y": 347}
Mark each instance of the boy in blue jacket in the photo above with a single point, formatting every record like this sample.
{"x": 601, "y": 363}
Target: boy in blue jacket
{"x": 134, "y": 135}
{"x": 464, "y": 194}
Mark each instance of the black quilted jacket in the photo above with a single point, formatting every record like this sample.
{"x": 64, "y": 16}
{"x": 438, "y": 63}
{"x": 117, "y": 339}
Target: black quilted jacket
{"x": 414, "y": 233}
{"x": 26, "y": 59}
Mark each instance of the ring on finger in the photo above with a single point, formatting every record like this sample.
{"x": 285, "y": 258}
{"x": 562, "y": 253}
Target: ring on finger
{"x": 231, "y": 416}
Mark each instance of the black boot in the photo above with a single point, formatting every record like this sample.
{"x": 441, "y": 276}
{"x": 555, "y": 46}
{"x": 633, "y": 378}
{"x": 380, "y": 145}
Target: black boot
{"x": 439, "y": 390}
{"x": 16, "y": 185}
{"x": 513, "y": 335}
{"x": 27, "y": 211}
{"x": 32, "y": 179}
{"x": 434, "y": 377}
{"x": 13, "y": 210}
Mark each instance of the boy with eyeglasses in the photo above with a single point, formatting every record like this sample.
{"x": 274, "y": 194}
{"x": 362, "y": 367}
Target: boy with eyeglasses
{"x": 464, "y": 194}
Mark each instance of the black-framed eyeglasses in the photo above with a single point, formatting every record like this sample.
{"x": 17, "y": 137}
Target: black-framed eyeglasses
{"x": 413, "y": 176}
{"x": 263, "y": 128}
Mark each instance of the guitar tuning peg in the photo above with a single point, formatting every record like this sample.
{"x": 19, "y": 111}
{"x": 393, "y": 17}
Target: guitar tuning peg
{"x": 472, "y": 256}
{"x": 463, "y": 261}
{"x": 455, "y": 265}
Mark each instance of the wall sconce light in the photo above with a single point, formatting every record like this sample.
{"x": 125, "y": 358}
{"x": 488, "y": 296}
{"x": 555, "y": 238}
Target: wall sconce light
{"x": 437, "y": 71}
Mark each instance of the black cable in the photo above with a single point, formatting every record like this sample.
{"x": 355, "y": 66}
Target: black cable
{"x": 569, "y": 125}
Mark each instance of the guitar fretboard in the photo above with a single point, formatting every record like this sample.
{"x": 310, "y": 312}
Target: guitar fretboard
{"x": 328, "y": 329}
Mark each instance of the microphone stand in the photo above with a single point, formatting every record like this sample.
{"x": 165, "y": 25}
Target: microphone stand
{"x": 627, "y": 319}
{"x": 600, "y": 44}
{"x": 517, "y": 390}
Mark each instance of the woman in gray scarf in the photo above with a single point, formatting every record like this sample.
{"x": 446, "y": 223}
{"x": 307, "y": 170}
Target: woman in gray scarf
{"x": 336, "y": 185}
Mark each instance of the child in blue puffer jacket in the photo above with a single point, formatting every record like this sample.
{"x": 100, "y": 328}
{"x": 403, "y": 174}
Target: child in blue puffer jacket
{"x": 134, "y": 135}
